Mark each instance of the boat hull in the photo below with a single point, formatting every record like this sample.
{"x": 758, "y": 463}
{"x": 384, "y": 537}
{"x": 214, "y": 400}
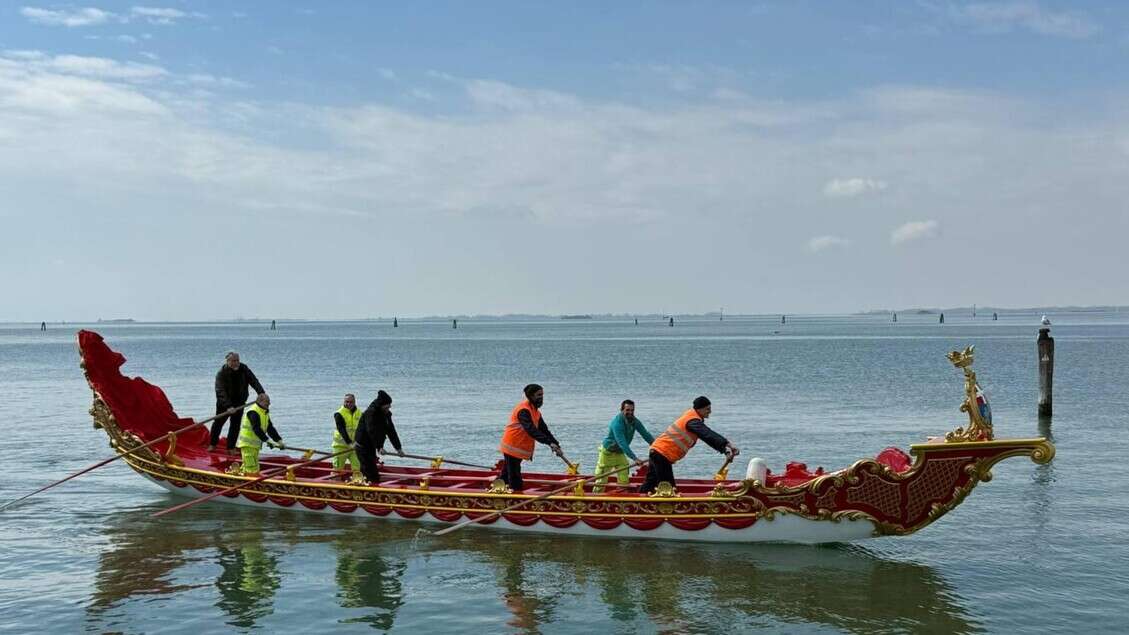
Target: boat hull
{"x": 785, "y": 528}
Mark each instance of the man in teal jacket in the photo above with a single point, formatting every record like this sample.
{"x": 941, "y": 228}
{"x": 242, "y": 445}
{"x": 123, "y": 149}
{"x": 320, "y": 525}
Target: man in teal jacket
{"x": 616, "y": 448}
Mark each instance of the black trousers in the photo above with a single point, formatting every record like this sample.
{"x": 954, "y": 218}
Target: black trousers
{"x": 232, "y": 430}
{"x": 659, "y": 470}
{"x": 511, "y": 473}
{"x": 369, "y": 465}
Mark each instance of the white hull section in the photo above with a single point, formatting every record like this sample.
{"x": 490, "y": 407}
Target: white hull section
{"x": 783, "y": 528}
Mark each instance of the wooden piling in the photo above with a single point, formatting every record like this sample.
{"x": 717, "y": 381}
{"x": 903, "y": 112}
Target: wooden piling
{"x": 1046, "y": 348}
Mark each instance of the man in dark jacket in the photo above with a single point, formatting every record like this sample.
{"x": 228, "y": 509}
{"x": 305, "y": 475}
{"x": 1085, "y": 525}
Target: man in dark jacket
{"x": 376, "y": 426}
{"x": 232, "y": 381}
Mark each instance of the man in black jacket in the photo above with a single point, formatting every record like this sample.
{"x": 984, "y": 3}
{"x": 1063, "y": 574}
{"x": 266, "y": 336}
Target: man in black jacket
{"x": 376, "y": 426}
{"x": 232, "y": 381}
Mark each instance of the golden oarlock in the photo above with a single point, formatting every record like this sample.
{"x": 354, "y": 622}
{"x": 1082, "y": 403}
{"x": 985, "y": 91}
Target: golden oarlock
{"x": 573, "y": 469}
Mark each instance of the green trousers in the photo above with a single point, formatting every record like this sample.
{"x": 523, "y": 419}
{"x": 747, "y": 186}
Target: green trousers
{"x": 606, "y": 461}
{"x": 250, "y": 459}
{"x": 340, "y": 459}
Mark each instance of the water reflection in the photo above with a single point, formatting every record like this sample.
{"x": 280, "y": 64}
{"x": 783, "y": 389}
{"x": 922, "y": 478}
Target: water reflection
{"x": 368, "y": 580}
{"x": 541, "y": 581}
{"x": 248, "y": 580}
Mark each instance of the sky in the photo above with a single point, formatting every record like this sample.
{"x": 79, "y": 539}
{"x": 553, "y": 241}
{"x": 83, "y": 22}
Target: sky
{"x": 214, "y": 160}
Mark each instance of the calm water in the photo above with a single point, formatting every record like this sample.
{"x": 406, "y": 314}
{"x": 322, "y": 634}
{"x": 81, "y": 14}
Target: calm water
{"x": 1039, "y": 548}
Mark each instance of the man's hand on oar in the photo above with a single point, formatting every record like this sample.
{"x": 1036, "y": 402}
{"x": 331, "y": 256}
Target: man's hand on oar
{"x": 125, "y": 453}
{"x": 571, "y": 485}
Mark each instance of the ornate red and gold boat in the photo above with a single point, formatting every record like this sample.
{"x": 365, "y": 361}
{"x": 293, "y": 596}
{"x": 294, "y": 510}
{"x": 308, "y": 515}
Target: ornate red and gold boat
{"x": 887, "y": 495}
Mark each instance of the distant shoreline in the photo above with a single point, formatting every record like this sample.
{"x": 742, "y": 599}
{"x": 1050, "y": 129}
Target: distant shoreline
{"x": 954, "y": 311}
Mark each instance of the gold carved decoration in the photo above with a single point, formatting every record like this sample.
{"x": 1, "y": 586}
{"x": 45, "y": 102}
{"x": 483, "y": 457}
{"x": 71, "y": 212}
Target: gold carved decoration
{"x": 425, "y": 483}
{"x": 499, "y": 487}
{"x": 664, "y": 490}
{"x": 437, "y": 463}
{"x": 573, "y": 469}
{"x": 978, "y": 429}
{"x": 170, "y": 456}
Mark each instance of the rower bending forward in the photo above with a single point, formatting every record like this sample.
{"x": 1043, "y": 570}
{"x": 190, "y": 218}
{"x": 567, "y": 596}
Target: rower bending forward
{"x": 673, "y": 444}
{"x": 524, "y": 429}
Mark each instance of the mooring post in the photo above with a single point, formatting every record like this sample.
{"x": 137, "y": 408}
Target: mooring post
{"x": 672, "y": 320}
{"x": 783, "y": 319}
{"x": 1046, "y": 347}
{"x": 395, "y": 323}
{"x": 895, "y": 316}
{"x": 454, "y": 324}
{"x": 942, "y": 320}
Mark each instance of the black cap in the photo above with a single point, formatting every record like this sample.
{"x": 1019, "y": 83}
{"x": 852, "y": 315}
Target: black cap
{"x": 701, "y": 402}
{"x": 383, "y": 398}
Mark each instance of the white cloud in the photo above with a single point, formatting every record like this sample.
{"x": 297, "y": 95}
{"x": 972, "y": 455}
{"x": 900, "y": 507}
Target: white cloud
{"x": 159, "y": 15}
{"x": 66, "y": 17}
{"x": 387, "y": 73}
{"x": 850, "y": 188}
{"x": 25, "y": 54}
{"x": 913, "y": 231}
{"x": 819, "y": 243}
{"x": 508, "y": 97}
{"x": 207, "y": 79}
{"x": 101, "y": 67}
{"x": 1005, "y": 16}
{"x": 90, "y": 16}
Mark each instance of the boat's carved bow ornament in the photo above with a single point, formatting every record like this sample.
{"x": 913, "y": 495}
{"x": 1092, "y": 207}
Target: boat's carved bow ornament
{"x": 890, "y": 496}
{"x": 975, "y": 402}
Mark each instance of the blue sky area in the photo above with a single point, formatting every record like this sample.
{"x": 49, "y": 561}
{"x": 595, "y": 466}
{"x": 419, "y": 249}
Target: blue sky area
{"x": 355, "y": 159}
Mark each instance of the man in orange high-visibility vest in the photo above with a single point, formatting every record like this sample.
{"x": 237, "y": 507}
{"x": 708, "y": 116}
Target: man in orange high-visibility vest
{"x": 673, "y": 444}
{"x": 526, "y": 426}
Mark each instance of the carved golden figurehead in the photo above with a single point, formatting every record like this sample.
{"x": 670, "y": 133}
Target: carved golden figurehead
{"x": 975, "y": 403}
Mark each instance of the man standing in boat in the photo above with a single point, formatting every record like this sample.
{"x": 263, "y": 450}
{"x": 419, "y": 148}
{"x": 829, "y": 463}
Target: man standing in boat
{"x": 375, "y": 426}
{"x": 345, "y": 422}
{"x": 232, "y": 382}
{"x": 615, "y": 451}
{"x": 256, "y": 428}
{"x": 526, "y": 426}
{"x": 673, "y": 444}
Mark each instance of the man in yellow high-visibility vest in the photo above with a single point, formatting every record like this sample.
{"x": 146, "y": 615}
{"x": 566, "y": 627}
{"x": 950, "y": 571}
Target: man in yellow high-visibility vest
{"x": 254, "y": 430}
{"x": 345, "y": 421}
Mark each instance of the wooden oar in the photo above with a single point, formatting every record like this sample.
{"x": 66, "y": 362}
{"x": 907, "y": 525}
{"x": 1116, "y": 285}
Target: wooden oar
{"x": 264, "y": 476}
{"x": 440, "y": 460}
{"x": 523, "y": 503}
{"x": 126, "y": 453}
